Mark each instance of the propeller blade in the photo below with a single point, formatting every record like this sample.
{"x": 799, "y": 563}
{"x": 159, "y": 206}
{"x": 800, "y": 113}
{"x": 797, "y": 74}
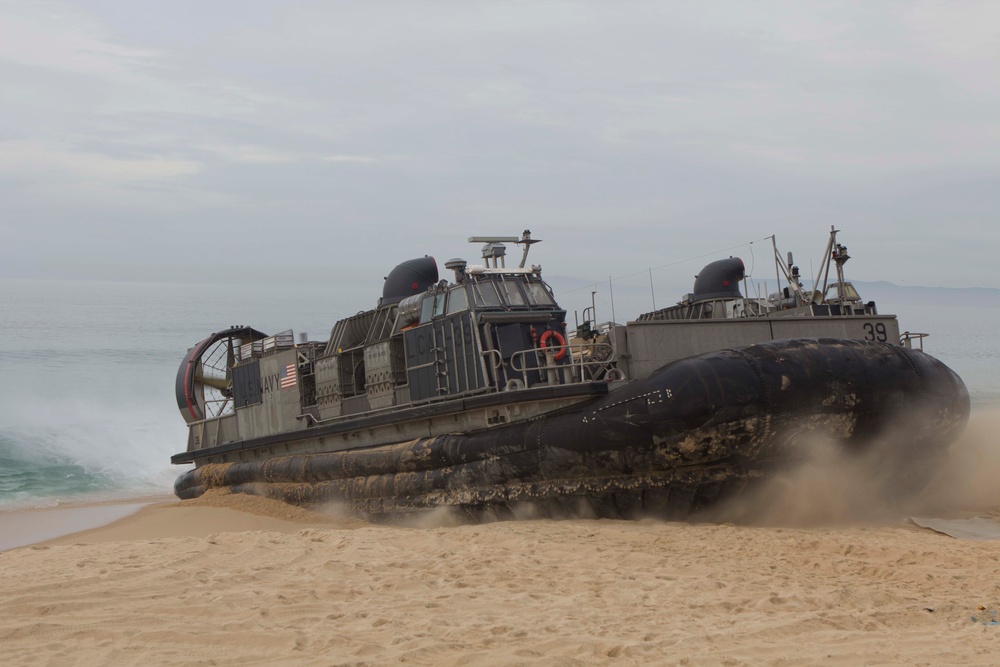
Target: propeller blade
{"x": 215, "y": 383}
{"x": 230, "y": 358}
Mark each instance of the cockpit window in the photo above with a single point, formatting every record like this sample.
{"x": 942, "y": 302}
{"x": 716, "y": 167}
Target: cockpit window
{"x": 512, "y": 295}
{"x": 427, "y": 310}
{"x": 458, "y": 300}
{"x": 850, "y": 294}
{"x": 538, "y": 295}
{"x": 486, "y": 293}
{"x": 432, "y": 307}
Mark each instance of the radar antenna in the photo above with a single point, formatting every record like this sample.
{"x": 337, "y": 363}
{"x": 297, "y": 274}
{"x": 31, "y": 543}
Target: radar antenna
{"x": 495, "y": 249}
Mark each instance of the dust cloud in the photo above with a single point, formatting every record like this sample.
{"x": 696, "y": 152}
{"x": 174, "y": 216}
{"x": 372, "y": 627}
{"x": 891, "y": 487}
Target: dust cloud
{"x": 835, "y": 487}
{"x": 969, "y": 480}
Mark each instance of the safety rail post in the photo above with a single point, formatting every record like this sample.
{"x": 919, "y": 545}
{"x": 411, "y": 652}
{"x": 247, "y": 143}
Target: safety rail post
{"x": 495, "y": 366}
{"x": 907, "y": 338}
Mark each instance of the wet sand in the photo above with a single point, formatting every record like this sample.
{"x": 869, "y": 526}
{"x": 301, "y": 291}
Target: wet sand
{"x": 26, "y": 527}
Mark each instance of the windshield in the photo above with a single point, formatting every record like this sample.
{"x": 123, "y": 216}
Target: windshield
{"x": 850, "y": 294}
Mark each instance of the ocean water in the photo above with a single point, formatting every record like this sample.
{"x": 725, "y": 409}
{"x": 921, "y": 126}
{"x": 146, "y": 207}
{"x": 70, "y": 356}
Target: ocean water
{"x": 966, "y": 338}
{"x": 87, "y": 369}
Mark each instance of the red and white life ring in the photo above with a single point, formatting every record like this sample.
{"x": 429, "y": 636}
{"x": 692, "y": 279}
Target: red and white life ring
{"x": 560, "y": 343}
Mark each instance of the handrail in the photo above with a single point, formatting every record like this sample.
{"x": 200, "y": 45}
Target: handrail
{"x": 581, "y": 370}
{"x": 495, "y": 366}
{"x": 906, "y": 340}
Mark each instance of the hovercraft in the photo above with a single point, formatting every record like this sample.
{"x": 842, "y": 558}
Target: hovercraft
{"x": 471, "y": 394}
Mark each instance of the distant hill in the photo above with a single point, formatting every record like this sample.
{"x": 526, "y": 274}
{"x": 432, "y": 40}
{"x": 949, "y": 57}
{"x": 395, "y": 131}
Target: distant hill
{"x": 886, "y": 294}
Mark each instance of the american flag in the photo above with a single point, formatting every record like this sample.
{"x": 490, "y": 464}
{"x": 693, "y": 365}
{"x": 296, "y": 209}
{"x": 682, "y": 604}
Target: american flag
{"x": 288, "y": 376}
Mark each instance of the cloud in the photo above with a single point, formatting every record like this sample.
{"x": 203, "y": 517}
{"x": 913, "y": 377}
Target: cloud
{"x": 367, "y": 159}
{"x": 965, "y": 32}
{"x": 683, "y": 128}
{"x": 51, "y": 162}
{"x": 55, "y": 36}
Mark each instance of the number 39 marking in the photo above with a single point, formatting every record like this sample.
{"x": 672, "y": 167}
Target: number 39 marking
{"x": 875, "y": 332}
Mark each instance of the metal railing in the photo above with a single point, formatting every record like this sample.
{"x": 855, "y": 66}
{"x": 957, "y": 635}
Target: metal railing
{"x": 907, "y": 338}
{"x": 588, "y": 362}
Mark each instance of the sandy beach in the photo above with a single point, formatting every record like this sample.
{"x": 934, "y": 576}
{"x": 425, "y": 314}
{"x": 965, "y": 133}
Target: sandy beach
{"x": 179, "y": 583}
{"x": 235, "y": 580}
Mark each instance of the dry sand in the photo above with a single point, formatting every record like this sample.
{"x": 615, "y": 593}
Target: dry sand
{"x": 231, "y": 580}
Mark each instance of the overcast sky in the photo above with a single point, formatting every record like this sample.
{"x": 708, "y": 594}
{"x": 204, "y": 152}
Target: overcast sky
{"x": 253, "y": 141}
